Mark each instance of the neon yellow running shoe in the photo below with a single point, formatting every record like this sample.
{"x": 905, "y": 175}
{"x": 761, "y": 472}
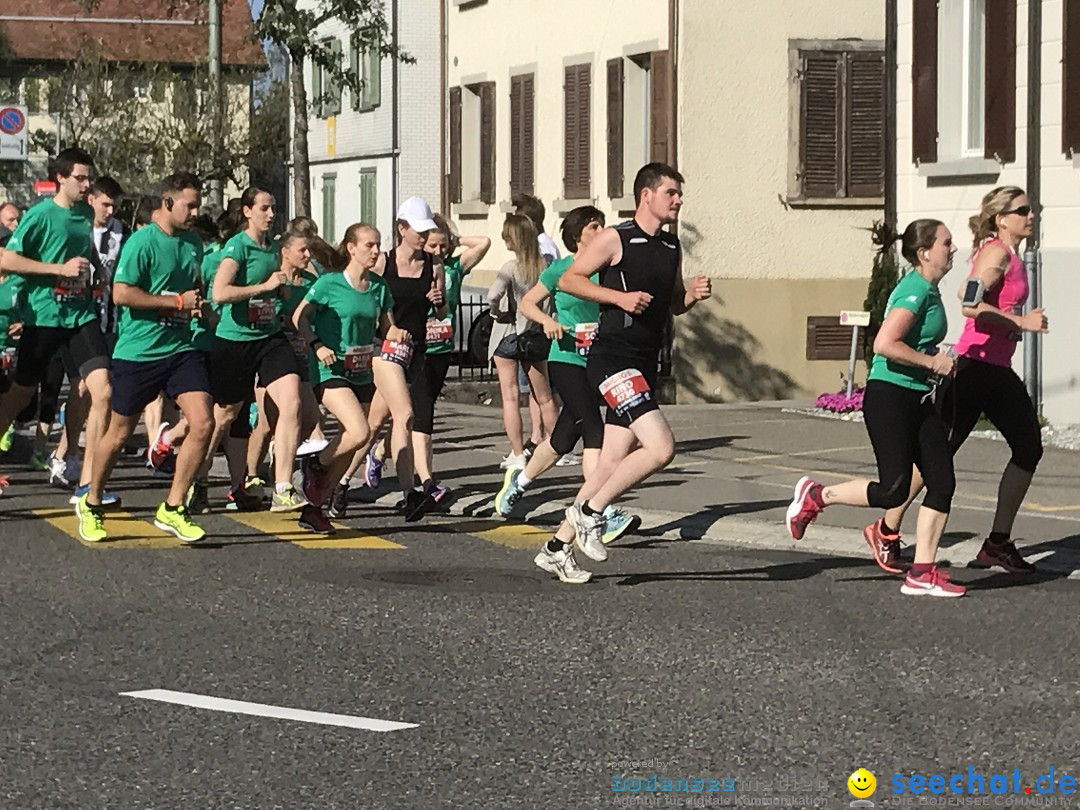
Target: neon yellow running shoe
{"x": 176, "y": 521}
{"x": 91, "y": 522}
{"x": 5, "y": 440}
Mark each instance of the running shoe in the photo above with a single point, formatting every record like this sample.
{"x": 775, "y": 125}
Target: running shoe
{"x": 339, "y": 502}
{"x": 255, "y": 486}
{"x": 176, "y": 521}
{"x": 1003, "y": 555}
{"x": 310, "y": 447}
{"x": 167, "y": 468}
{"x": 414, "y": 505}
{"x": 569, "y": 460}
{"x": 159, "y": 448}
{"x": 514, "y": 461}
{"x": 373, "y": 469}
{"x": 510, "y": 493}
{"x": 934, "y": 582}
{"x": 39, "y": 462}
{"x": 7, "y": 438}
{"x": 4, "y": 483}
{"x": 803, "y": 510}
{"x": 886, "y": 547}
{"x": 288, "y": 501}
{"x": 618, "y": 523}
{"x": 562, "y": 564}
{"x": 198, "y": 499}
{"x": 312, "y": 479}
{"x": 240, "y": 500}
{"x": 588, "y": 532}
{"x": 440, "y": 494}
{"x": 312, "y": 519}
{"x": 57, "y": 470}
{"x": 108, "y": 499}
{"x": 91, "y": 521}
{"x": 73, "y": 469}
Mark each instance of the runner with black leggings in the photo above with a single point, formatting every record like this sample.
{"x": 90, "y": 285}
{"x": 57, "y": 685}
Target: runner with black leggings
{"x": 904, "y": 426}
{"x": 993, "y": 304}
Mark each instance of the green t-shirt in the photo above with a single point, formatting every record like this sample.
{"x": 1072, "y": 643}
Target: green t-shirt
{"x": 52, "y": 234}
{"x": 158, "y": 264}
{"x": 202, "y": 331}
{"x": 291, "y": 296}
{"x": 915, "y": 294}
{"x": 578, "y": 316}
{"x": 12, "y": 310}
{"x": 346, "y": 321}
{"x": 255, "y": 318}
{"x": 440, "y": 333}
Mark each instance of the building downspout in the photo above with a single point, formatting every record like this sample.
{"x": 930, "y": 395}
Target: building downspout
{"x": 1032, "y": 257}
{"x": 395, "y": 146}
{"x": 444, "y": 196}
{"x": 891, "y": 34}
{"x": 673, "y": 79}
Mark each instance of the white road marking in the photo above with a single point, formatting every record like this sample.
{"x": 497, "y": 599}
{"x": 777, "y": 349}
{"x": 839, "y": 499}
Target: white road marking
{"x": 265, "y": 710}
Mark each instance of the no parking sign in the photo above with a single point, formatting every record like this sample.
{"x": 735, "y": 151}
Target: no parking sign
{"x": 12, "y": 132}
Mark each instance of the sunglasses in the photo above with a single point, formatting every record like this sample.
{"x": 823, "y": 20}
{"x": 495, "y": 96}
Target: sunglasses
{"x": 1023, "y": 211}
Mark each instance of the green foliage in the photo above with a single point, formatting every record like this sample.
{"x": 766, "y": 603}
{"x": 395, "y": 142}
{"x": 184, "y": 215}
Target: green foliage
{"x": 883, "y": 277}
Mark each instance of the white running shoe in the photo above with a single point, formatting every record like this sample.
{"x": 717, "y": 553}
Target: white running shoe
{"x": 514, "y": 461}
{"x": 311, "y": 447}
{"x": 562, "y": 564}
{"x": 57, "y": 471}
{"x": 588, "y": 532}
{"x": 569, "y": 460}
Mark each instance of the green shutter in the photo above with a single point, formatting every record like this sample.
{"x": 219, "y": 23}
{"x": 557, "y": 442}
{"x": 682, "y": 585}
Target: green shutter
{"x": 316, "y": 89}
{"x": 356, "y": 99}
{"x": 367, "y": 196}
{"x": 329, "y": 202}
{"x": 334, "y": 85}
{"x": 372, "y": 77}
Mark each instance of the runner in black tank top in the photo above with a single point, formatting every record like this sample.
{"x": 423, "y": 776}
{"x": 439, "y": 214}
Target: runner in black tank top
{"x": 640, "y": 286}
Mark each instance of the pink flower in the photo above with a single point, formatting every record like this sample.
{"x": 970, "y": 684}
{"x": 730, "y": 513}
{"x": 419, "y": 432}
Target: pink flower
{"x": 840, "y": 402}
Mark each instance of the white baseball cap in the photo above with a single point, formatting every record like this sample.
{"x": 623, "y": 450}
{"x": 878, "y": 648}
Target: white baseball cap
{"x": 417, "y": 213}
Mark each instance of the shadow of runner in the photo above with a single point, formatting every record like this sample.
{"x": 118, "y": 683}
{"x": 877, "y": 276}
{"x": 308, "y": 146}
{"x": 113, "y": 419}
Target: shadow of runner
{"x": 781, "y": 572}
{"x": 697, "y": 525}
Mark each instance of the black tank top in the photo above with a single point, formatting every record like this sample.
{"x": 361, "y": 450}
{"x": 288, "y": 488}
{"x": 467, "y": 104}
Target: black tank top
{"x": 649, "y": 264}
{"x": 411, "y": 305}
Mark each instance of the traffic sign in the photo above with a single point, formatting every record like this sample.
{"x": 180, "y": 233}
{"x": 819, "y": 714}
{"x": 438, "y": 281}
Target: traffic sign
{"x": 850, "y": 317}
{"x": 44, "y": 187}
{"x": 13, "y": 132}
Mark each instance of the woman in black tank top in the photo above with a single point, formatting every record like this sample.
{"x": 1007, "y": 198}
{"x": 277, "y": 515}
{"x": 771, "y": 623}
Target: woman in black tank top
{"x": 416, "y": 284}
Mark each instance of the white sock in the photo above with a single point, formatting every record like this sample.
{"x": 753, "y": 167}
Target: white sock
{"x": 523, "y": 480}
{"x": 281, "y": 487}
{"x": 345, "y": 480}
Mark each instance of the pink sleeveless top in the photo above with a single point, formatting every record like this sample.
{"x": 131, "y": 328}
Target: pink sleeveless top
{"x": 989, "y": 342}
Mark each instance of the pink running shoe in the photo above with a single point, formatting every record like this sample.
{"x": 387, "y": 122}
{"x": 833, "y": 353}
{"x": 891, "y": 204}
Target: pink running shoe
{"x": 803, "y": 510}
{"x": 934, "y": 582}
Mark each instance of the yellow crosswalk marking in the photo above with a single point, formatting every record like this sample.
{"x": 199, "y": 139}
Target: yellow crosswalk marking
{"x": 518, "y": 536}
{"x": 283, "y": 525}
{"x": 125, "y": 530}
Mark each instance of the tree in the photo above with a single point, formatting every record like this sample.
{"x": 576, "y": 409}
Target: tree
{"x": 883, "y": 278}
{"x": 292, "y": 28}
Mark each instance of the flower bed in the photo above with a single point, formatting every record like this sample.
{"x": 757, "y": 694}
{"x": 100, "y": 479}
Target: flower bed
{"x": 840, "y": 402}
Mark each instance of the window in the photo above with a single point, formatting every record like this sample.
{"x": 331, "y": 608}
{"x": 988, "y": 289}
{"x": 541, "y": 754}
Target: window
{"x": 1070, "y": 74}
{"x": 961, "y": 73}
{"x": 638, "y": 111}
{"x": 577, "y": 91}
{"x": 366, "y": 64}
{"x": 368, "y": 211}
{"x": 521, "y": 134}
{"x": 325, "y": 90}
{"x": 329, "y": 201}
{"x": 838, "y": 129}
{"x": 472, "y": 143}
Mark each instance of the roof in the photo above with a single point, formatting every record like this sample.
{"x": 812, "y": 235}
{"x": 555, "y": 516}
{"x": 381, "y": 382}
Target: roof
{"x": 129, "y": 31}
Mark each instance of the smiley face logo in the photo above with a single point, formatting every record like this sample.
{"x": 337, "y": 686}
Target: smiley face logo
{"x": 862, "y": 784}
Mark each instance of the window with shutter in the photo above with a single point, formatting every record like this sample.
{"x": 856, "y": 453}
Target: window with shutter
{"x": 521, "y": 134}
{"x": 615, "y": 114}
{"x": 1070, "y": 77}
{"x": 368, "y": 187}
{"x": 329, "y": 205}
{"x": 841, "y": 130}
{"x": 487, "y": 142}
{"x": 999, "y": 95}
{"x": 660, "y": 107}
{"x": 924, "y": 81}
{"x": 577, "y": 97}
{"x": 316, "y": 89}
{"x": 333, "y": 85}
{"x": 455, "y": 144}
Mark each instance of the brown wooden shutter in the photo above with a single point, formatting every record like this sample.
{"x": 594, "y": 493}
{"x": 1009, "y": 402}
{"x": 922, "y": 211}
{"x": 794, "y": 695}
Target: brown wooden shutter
{"x": 865, "y": 151}
{"x": 521, "y": 134}
{"x": 821, "y": 141}
{"x": 615, "y": 127}
{"x": 924, "y": 126}
{"x": 528, "y": 128}
{"x": 577, "y": 96}
{"x": 455, "y": 144}
{"x": 660, "y": 106}
{"x": 487, "y": 142}
{"x": 1000, "y": 74}
{"x": 1070, "y": 77}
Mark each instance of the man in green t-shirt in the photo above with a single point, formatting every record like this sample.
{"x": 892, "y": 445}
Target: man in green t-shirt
{"x": 51, "y": 250}
{"x": 156, "y": 292}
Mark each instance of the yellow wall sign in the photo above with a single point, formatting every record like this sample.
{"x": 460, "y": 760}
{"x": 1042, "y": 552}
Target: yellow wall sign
{"x": 331, "y": 135}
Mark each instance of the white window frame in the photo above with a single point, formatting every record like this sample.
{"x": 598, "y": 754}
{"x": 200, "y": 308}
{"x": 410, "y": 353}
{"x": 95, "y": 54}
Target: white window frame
{"x": 961, "y": 79}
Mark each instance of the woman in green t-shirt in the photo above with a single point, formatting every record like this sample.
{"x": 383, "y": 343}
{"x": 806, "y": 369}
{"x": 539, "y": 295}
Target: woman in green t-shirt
{"x": 341, "y": 318}
{"x": 904, "y": 426}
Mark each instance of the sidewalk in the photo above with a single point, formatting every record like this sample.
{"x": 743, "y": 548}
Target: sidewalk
{"x": 733, "y": 476}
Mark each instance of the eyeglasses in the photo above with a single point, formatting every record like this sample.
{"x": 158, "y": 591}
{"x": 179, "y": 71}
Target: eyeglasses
{"x": 1023, "y": 211}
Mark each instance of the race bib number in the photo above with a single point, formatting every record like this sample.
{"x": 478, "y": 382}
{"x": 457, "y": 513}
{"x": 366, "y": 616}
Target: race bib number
{"x": 7, "y": 358}
{"x": 173, "y": 316}
{"x": 625, "y": 391}
{"x": 439, "y": 331}
{"x": 71, "y": 289}
{"x": 357, "y": 359}
{"x": 584, "y": 334}
{"x": 261, "y": 311}
{"x": 400, "y": 353}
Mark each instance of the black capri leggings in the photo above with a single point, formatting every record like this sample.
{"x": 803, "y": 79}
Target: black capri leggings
{"x": 980, "y": 388}
{"x": 905, "y": 428}
{"x": 425, "y": 389}
{"x": 580, "y": 415}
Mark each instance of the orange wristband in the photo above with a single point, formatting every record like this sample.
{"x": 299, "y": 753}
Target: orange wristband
{"x": 179, "y": 301}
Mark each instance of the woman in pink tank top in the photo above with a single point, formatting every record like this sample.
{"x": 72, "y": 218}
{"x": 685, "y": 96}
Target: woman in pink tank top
{"x": 993, "y": 301}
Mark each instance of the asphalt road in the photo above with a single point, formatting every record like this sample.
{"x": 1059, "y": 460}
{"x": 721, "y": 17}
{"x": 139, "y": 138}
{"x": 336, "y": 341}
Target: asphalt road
{"x": 779, "y": 670}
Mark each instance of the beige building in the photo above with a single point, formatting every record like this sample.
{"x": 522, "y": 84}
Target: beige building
{"x": 561, "y": 99}
{"x": 958, "y": 136}
{"x": 781, "y": 140}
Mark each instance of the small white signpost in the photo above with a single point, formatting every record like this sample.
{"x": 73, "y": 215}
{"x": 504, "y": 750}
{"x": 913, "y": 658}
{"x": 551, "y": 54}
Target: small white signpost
{"x": 12, "y": 132}
{"x": 854, "y": 319}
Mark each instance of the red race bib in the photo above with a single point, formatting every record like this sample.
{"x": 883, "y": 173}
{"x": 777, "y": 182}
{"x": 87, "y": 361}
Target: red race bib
{"x": 357, "y": 359}
{"x": 584, "y": 334}
{"x": 400, "y": 353}
{"x": 7, "y": 358}
{"x": 71, "y": 289}
{"x": 625, "y": 390}
{"x": 261, "y": 311}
